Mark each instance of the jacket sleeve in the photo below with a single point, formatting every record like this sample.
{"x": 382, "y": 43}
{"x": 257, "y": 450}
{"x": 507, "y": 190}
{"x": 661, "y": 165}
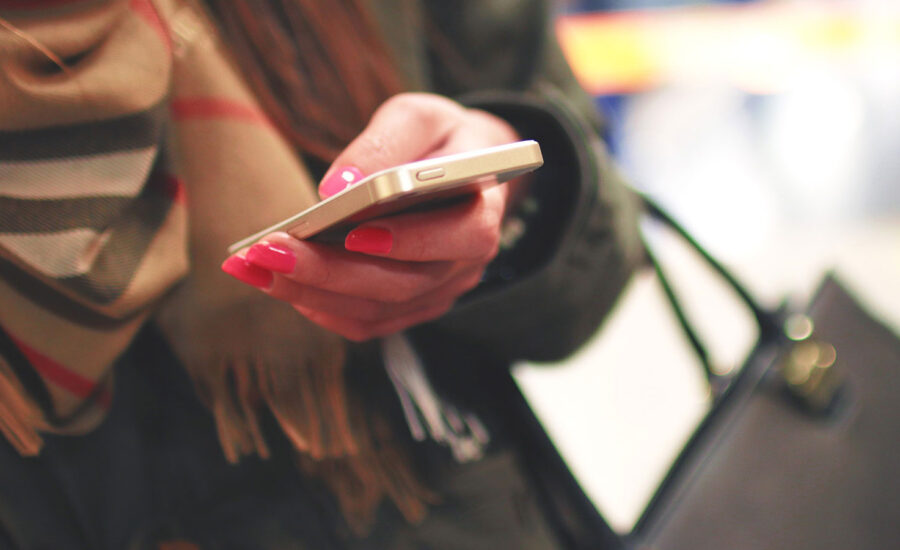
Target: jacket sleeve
{"x": 550, "y": 292}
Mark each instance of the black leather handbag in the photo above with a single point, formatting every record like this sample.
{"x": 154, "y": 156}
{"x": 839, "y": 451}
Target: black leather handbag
{"x": 800, "y": 450}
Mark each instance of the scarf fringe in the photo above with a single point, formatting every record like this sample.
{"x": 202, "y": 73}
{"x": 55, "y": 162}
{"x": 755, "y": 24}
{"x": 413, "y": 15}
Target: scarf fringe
{"x": 335, "y": 437}
{"x": 379, "y": 470}
{"x": 20, "y": 418}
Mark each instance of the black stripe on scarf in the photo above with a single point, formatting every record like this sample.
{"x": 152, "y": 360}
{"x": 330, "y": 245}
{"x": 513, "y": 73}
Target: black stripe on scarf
{"x": 51, "y": 299}
{"x": 28, "y": 377}
{"x": 129, "y": 237}
{"x": 125, "y": 133}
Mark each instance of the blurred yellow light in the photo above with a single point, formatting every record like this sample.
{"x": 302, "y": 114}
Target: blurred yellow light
{"x": 757, "y": 48}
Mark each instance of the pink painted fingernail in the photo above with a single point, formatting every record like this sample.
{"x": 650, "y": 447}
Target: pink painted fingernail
{"x": 274, "y": 257}
{"x": 244, "y": 271}
{"x": 339, "y": 180}
{"x": 369, "y": 240}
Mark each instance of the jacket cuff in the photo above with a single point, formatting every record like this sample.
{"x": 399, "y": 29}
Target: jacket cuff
{"x": 546, "y": 295}
{"x": 534, "y": 229}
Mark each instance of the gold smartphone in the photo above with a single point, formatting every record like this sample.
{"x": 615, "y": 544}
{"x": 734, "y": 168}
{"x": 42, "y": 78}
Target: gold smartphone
{"x": 399, "y": 188}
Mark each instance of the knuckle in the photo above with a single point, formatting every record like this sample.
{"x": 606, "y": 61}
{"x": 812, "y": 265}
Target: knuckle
{"x": 399, "y": 100}
{"x": 410, "y": 104}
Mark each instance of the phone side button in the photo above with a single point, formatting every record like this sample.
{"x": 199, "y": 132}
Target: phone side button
{"x": 431, "y": 174}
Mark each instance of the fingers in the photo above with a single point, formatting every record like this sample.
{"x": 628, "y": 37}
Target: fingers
{"x": 372, "y": 310}
{"x": 396, "y": 271}
{"x": 467, "y": 231}
{"x": 356, "y": 296}
{"x": 334, "y": 270}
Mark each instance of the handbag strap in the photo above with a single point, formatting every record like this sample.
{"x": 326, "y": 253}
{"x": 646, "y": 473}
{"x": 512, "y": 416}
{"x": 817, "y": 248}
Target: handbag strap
{"x": 807, "y": 369}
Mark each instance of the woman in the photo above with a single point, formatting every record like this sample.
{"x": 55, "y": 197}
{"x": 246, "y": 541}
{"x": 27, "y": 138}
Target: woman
{"x": 139, "y": 139}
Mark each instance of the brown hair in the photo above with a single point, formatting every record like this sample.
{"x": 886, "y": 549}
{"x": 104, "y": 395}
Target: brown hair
{"x": 319, "y": 69}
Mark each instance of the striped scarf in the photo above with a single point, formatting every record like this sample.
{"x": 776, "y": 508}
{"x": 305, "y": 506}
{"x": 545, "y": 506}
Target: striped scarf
{"x": 131, "y": 154}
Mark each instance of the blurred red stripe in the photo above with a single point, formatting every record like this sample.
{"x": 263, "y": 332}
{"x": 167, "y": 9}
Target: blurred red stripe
{"x": 214, "y": 107}
{"x": 145, "y": 10}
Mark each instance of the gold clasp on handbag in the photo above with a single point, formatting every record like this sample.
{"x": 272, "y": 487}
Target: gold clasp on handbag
{"x": 809, "y": 366}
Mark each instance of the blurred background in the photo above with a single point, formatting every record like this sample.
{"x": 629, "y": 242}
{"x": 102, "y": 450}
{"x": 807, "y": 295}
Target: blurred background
{"x": 771, "y": 130}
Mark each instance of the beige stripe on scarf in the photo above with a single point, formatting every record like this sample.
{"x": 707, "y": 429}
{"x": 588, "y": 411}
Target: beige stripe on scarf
{"x": 110, "y": 174}
{"x": 127, "y": 71}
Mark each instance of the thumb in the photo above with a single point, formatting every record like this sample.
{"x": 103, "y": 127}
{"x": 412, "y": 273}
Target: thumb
{"x": 405, "y": 128}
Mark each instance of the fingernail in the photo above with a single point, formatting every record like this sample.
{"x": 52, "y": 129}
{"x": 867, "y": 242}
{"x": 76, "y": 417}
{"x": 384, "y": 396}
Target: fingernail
{"x": 369, "y": 240}
{"x": 339, "y": 180}
{"x": 244, "y": 271}
{"x": 274, "y": 257}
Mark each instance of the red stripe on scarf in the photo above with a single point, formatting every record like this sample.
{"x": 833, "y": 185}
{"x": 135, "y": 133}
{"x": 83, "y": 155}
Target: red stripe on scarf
{"x": 215, "y": 107}
{"x": 62, "y": 376}
{"x": 146, "y": 11}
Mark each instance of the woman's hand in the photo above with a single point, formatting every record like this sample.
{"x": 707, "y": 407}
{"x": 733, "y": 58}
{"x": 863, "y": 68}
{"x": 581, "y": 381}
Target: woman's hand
{"x": 398, "y": 271}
